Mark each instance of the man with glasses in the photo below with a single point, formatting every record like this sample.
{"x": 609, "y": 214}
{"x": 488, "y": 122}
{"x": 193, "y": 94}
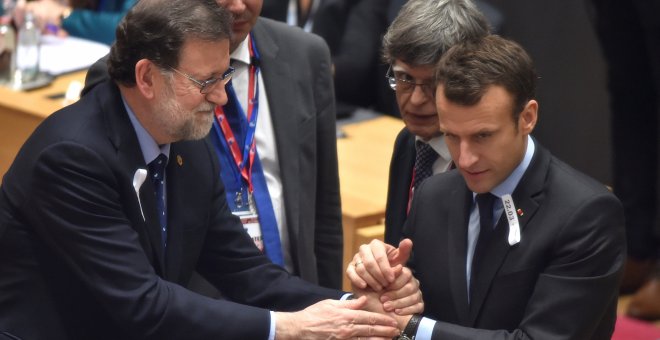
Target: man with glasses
{"x": 113, "y": 202}
{"x": 414, "y": 42}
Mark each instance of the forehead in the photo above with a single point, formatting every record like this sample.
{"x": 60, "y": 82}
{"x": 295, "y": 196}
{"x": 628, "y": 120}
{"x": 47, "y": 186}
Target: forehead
{"x": 248, "y": 3}
{"x": 494, "y": 108}
{"x": 423, "y": 72}
{"x": 204, "y": 54}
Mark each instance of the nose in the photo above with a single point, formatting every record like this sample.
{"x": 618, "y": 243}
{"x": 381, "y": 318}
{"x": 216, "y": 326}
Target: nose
{"x": 466, "y": 157}
{"x": 218, "y": 94}
{"x": 234, "y": 6}
{"x": 418, "y": 96}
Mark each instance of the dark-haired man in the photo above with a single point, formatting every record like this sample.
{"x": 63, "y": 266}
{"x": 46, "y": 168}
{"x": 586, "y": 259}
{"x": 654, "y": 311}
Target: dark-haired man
{"x": 288, "y": 110}
{"x": 513, "y": 244}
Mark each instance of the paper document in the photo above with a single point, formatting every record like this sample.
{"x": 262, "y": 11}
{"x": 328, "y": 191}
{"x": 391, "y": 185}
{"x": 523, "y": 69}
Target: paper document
{"x": 62, "y": 55}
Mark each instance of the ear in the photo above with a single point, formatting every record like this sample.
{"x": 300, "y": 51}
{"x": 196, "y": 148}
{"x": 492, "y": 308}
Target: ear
{"x": 528, "y": 117}
{"x": 145, "y": 74}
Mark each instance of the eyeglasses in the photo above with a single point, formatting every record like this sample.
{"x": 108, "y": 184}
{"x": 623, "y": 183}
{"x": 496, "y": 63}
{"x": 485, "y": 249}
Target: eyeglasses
{"x": 207, "y": 85}
{"x": 408, "y": 85}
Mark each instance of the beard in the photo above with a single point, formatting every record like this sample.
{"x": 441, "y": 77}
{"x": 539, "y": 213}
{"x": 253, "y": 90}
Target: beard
{"x": 181, "y": 124}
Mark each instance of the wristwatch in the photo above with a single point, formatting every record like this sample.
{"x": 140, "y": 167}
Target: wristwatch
{"x": 410, "y": 331}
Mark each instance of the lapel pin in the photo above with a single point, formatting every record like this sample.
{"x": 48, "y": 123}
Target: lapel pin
{"x": 520, "y": 212}
{"x": 179, "y": 160}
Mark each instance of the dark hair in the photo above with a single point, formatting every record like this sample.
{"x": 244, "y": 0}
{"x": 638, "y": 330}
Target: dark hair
{"x": 157, "y": 29}
{"x": 468, "y": 69}
{"x": 425, "y": 29}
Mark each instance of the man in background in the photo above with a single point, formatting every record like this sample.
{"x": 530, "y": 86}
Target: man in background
{"x": 421, "y": 33}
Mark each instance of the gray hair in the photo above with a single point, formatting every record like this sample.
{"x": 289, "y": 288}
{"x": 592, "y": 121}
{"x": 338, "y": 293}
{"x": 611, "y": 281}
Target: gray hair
{"x": 157, "y": 30}
{"x": 425, "y": 29}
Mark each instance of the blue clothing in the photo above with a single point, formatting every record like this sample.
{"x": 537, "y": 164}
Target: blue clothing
{"x": 98, "y": 25}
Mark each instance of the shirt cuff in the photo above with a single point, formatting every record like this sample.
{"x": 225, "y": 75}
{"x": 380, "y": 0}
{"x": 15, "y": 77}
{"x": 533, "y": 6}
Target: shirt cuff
{"x": 425, "y": 329}
{"x": 271, "y": 334}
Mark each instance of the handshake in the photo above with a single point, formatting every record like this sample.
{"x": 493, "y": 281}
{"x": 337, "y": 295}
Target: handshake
{"x": 386, "y": 297}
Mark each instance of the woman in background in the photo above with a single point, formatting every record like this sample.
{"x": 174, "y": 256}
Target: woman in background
{"x": 90, "y": 19}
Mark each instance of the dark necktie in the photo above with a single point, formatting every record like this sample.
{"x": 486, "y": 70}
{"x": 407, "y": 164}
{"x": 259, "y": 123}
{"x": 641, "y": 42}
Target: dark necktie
{"x": 233, "y": 115}
{"x": 485, "y": 204}
{"x": 157, "y": 175}
{"x": 425, "y": 156}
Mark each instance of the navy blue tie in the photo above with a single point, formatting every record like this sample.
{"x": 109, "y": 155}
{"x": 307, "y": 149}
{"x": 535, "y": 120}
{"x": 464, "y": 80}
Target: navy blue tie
{"x": 157, "y": 175}
{"x": 485, "y": 203}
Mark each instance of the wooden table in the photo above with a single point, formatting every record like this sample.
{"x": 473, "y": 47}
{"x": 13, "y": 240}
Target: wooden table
{"x": 364, "y": 164}
{"x": 21, "y": 112}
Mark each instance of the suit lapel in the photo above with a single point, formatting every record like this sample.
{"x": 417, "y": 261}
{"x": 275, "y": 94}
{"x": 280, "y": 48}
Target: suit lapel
{"x": 280, "y": 83}
{"x": 527, "y": 197}
{"x": 122, "y": 135}
{"x": 461, "y": 199}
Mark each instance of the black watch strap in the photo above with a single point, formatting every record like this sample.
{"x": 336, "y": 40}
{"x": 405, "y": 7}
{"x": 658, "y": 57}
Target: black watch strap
{"x": 411, "y": 328}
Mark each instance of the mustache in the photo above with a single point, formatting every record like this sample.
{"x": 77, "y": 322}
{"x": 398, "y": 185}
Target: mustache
{"x": 206, "y": 108}
{"x": 245, "y": 16}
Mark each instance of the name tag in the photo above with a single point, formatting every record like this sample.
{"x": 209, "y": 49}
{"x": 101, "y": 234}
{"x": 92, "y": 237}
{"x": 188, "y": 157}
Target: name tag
{"x": 512, "y": 218}
{"x": 246, "y": 210}
{"x": 251, "y": 225}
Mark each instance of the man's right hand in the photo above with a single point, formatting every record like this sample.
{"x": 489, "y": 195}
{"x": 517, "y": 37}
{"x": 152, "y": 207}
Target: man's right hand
{"x": 377, "y": 264}
{"x": 332, "y": 319}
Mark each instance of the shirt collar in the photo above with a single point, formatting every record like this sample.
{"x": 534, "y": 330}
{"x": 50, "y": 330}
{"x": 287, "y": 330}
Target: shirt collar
{"x": 150, "y": 149}
{"x": 438, "y": 145}
{"x": 511, "y": 182}
{"x": 242, "y": 52}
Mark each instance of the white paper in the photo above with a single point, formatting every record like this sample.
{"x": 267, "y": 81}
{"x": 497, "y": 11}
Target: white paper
{"x": 62, "y": 55}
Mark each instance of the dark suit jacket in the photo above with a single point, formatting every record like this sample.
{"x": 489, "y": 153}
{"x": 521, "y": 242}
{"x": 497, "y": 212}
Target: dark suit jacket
{"x": 298, "y": 81}
{"x": 78, "y": 261}
{"x": 296, "y": 72}
{"x": 559, "y": 282}
{"x": 398, "y": 189}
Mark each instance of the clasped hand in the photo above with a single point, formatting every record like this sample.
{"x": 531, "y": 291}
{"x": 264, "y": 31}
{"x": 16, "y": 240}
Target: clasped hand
{"x": 387, "y": 292}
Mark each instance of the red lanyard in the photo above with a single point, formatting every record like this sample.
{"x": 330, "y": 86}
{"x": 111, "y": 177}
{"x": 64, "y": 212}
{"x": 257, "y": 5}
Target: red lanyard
{"x": 253, "y": 108}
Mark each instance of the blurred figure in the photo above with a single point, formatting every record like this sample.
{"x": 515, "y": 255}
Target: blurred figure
{"x": 299, "y": 13}
{"x": 90, "y": 19}
{"x": 326, "y": 18}
{"x": 629, "y": 33}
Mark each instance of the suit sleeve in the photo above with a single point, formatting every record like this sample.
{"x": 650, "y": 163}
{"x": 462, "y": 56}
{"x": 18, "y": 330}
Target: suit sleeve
{"x": 396, "y": 208}
{"x": 328, "y": 224}
{"x": 577, "y": 288}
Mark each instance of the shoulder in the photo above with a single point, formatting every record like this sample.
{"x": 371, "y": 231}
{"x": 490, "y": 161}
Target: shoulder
{"x": 288, "y": 38}
{"x": 404, "y": 144}
{"x": 444, "y": 184}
